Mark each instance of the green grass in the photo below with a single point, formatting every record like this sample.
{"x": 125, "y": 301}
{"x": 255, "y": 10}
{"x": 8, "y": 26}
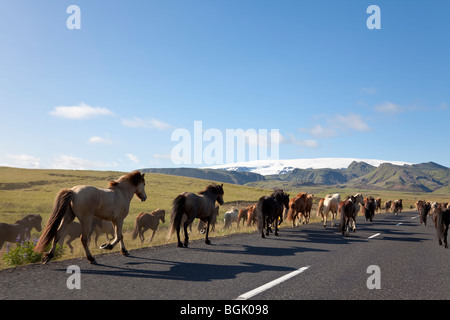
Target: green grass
{"x": 32, "y": 191}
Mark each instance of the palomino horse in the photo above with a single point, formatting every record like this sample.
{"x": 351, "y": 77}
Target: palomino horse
{"x": 297, "y": 206}
{"x": 347, "y": 209}
{"x": 145, "y": 221}
{"x": 87, "y": 202}
{"x": 270, "y": 209}
{"x": 200, "y": 206}
{"x": 441, "y": 219}
{"x": 329, "y": 204}
{"x": 19, "y": 230}
{"x": 230, "y": 217}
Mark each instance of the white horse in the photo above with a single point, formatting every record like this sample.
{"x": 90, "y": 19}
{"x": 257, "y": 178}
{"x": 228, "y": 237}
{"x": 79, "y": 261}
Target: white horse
{"x": 330, "y": 203}
{"x": 230, "y": 217}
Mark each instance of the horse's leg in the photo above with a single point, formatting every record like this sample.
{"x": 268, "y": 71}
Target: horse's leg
{"x": 268, "y": 226}
{"x": 85, "y": 231}
{"x": 180, "y": 244}
{"x": 276, "y": 227}
{"x": 263, "y": 226}
{"x": 354, "y": 223}
{"x": 207, "y": 232}
{"x": 141, "y": 234}
{"x": 445, "y": 235}
{"x": 153, "y": 234}
{"x": 185, "y": 226}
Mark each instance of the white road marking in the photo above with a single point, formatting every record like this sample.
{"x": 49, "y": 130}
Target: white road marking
{"x": 414, "y": 217}
{"x": 271, "y": 284}
{"x": 375, "y": 235}
{"x": 398, "y": 224}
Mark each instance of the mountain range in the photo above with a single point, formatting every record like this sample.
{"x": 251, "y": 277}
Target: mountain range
{"x": 368, "y": 174}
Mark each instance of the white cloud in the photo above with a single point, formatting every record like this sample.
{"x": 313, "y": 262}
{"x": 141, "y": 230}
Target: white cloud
{"x": 309, "y": 143}
{"x": 75, "y": 163}
{"x": 352, "y": 121}
{"x": 20, "y": 161}
{"x": 319, "y": 131}
{"x": 79, "y": 112}
{"x": 132, "y": 157}
{"x": 152, "y": 123}
{"x": 99, "y": 140}
{"x": 388, "y": 108}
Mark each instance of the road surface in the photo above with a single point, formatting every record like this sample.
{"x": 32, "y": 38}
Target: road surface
{"x": 394, "y": 254}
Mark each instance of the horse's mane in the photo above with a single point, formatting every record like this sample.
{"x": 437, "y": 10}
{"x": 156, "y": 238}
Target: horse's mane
{"x": 277, "y": 192}
{"x": 134, "y": 177}
{"x": 213, "y": 187}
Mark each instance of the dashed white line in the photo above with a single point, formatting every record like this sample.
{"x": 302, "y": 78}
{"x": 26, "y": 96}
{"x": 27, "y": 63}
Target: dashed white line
{"x": 398, "y": 224}
{"x": 375, "y": 235}
{"x": 271, "y": 284}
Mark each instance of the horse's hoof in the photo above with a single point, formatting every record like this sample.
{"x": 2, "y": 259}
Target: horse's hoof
{"x": 106, "y": 246}
{"x": 92, "y": 260}
{"x": 125, "y": 253}
{"x": 186, "y": 244}
{"x": 207, "y": 241}
{"x": 276, "y": 234}
{"x": 180, "y": 245}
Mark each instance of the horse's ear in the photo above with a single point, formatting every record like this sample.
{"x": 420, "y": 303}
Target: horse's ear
{"x": 143, "y": 174}
{"x": 221, "y": 185}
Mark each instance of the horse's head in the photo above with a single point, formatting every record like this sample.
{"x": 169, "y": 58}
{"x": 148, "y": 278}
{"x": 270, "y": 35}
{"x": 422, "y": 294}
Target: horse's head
{"x": 140, "y": 188}
{"x": 37, "y": 222}
{"x": 220, "y": 194}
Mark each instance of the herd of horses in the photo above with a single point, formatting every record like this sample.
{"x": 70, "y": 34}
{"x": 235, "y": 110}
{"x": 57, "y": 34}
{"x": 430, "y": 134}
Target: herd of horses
{"x": 92, "y": 206}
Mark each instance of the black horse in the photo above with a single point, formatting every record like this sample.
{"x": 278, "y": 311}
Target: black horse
{"x": 269, "y": 209}
{"x": 369, "y": 208}
{"x": 441, "y": 219}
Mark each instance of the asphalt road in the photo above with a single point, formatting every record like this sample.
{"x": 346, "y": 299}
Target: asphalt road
{"x": 307, "y": 262}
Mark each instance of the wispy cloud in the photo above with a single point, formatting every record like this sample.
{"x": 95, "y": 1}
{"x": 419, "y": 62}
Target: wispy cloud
{"x": 132, "y": 158}
{"x": 79, "y": 112}
{"x": 388, "y": 108}
{"x": 20, "y": 161}
{"x": 99, "y": 140}
{"x": 152, "y": 123}
{"x": 352, "y": 121}
{"x": 75, "y": 163}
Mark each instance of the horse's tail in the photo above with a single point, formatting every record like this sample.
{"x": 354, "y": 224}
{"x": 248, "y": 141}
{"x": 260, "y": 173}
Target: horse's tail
{"x": 177, "y": 214}
{"x": 259, "y": 214}
{"x": 62, "y": 202}
{"x": 320, "y": 208}
{"x": 136, "y": 225}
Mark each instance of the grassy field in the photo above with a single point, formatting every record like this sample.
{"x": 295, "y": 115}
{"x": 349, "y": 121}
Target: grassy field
{"x": 32, "y": 191}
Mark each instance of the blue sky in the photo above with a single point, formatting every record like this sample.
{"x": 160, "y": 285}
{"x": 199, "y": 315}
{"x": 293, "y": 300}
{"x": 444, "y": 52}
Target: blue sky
{"x": 109, "y": 95}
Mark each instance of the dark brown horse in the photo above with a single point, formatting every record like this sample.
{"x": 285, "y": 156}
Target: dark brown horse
{"x": 369, "y": 208}
{"x": 269, "y": 210}
{"x": 347, "y": 209}
{"x": 201, "y": 206}
{"x": 441, "y": 219}
{"x": 423, "y": 208}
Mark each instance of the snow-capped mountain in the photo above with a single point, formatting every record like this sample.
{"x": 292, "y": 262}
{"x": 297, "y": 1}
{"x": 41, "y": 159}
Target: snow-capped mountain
{"x": 266, "y": 167}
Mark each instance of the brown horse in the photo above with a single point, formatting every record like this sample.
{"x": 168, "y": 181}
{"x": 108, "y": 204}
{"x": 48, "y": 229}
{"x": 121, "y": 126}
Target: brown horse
{"x": 87, "y": 202}
{"x": 201, "y": 205}
{"x": 441, "y": 219}
{"x": 347, "y": 208}
{"x": 20, "y": 230}
{"x": 397, "y": 206}
{"x": 73, "y": 231}
{"x": 297, "y": 206}
{"x": 251, "y": 215}
{"x": 145, "y": 221}
{"x": 369, "y": 208}
{"x": 423, "y": 208}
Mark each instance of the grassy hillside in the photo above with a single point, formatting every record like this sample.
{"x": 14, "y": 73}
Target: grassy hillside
{"x": 32, "y": 191}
